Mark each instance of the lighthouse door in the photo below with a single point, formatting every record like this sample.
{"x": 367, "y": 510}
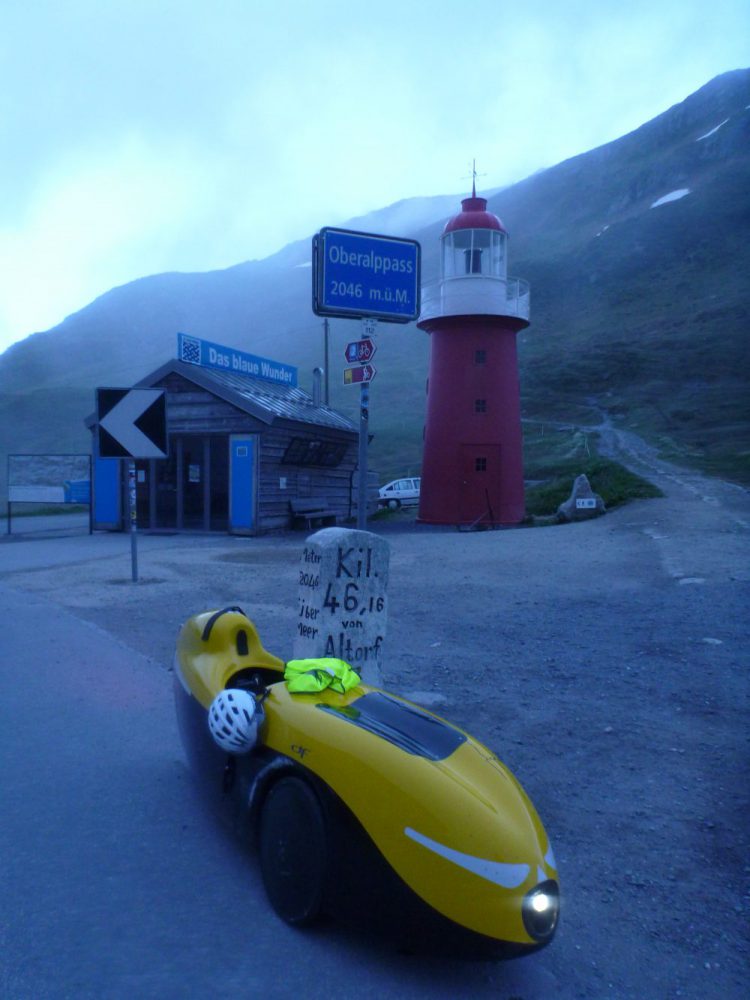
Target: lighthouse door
{"x": 480, "y": 486}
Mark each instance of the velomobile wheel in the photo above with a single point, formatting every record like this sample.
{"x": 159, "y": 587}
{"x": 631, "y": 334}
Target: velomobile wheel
{"x": 293, "y": 851}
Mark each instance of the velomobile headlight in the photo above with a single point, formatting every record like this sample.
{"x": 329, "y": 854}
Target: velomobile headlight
{"x": 541, "y": 908}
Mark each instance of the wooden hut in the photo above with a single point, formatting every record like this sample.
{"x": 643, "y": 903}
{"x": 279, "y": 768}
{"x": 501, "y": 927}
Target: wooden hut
{"x": 246, "y": 456}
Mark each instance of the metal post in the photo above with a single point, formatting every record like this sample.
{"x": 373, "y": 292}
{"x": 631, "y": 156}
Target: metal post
{"x": 180, "y": 511}
{"x": 132, "y": 512}
{"x": 369, "y": 326}
{"x": 152, "y": 493}
{"x": 206, "y": 483}
{"x": 364, "y": 416}
{"x": 325, "y": 361}
{"x": 91, "y": 495}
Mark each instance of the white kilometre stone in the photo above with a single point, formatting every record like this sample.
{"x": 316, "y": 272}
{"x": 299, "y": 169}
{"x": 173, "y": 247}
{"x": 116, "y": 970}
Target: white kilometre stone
{"x": 343, "y": 599}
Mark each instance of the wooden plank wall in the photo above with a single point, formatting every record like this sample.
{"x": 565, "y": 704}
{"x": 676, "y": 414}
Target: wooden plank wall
{"x": 193, "y": 410}
{"x": 330, "y": 484}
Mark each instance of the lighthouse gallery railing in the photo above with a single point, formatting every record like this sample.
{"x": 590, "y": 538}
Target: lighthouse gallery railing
{"x": 476, "y": 295}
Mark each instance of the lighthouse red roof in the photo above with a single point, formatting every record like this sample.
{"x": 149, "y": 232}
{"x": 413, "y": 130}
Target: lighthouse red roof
{"x": 474, "y": 215}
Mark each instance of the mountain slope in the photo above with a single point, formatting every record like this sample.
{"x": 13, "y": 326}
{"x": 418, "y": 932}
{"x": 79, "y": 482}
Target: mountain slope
{"x": 639, "y": 311}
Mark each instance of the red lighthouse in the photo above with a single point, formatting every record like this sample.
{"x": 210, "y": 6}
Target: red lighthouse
{"x": 472, "y": 469}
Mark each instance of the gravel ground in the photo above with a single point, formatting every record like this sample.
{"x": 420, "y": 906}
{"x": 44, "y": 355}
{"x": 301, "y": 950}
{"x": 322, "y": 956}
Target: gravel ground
{"x": 606, "y": 662}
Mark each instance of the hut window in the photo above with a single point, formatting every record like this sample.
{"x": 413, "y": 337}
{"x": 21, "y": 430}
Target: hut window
{"x": 303, "y": 451}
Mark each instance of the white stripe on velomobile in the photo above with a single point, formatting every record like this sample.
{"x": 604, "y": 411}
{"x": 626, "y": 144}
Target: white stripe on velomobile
{"x": 508, "y": 876}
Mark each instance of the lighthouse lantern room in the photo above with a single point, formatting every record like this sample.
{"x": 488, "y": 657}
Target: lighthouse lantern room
{"x": 472, "y": 469}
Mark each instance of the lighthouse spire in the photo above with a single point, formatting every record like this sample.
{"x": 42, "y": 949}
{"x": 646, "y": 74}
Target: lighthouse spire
{"x": 474, "y": 176}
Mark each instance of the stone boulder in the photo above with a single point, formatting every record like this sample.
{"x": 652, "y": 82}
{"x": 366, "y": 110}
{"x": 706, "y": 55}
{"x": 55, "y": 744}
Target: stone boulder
{"x": 582, "y": 503}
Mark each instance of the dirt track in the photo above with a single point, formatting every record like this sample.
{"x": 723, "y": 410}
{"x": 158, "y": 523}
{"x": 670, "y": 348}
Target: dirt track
{"x": 606, "y": 663}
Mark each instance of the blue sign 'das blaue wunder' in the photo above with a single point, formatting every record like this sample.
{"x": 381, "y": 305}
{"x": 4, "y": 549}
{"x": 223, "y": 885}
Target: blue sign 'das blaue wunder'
{"x": 227, "y": 359}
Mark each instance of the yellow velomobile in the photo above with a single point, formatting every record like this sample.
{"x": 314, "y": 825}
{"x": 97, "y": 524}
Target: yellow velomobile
{"x": 362, "y": 801}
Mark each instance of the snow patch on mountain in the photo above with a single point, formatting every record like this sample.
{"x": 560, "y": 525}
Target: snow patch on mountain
{"x": 672, "y": 196}
{"x": 715, "y": 129}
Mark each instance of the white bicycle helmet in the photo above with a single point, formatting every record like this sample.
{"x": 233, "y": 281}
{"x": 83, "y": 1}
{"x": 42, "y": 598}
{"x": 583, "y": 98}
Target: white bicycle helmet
{"x": 233, "y": 719}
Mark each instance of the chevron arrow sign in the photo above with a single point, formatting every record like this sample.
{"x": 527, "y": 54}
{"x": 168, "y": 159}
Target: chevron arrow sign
{"x": 132, "y": 423}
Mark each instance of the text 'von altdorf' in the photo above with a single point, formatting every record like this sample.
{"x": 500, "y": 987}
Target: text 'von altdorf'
{"x": 343, "y": 601}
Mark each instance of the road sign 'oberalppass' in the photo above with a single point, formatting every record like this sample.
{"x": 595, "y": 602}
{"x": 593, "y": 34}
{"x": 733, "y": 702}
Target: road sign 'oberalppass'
{"x": 359, "y": 275}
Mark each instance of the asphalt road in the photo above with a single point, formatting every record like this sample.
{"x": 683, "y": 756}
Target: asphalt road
{"x": 605, "y": 662}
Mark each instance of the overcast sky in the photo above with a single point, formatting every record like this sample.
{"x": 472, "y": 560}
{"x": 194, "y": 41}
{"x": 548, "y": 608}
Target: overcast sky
{"x": 150, "y": 135}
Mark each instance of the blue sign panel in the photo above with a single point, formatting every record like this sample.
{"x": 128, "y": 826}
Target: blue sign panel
{"x": 358, "y": 275}
{"x": 227, "y": 359}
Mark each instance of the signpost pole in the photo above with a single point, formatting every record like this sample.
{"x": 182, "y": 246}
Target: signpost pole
{"x": 369, "y": 327}
{"x": 91, "y": 495}
{"x": 364, "y": 416}
{"x": 326, "y": 397}
{"x": 132, "y": 513}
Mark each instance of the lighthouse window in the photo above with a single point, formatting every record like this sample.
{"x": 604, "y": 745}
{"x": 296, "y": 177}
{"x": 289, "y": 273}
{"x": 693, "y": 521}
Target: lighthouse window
{"x": 480, "y": 357}
{"x": 497, "y": 264}
{"x": 480, "y": 464}
{"x": 473, "y": 260}
{"x": 480, "y": 405}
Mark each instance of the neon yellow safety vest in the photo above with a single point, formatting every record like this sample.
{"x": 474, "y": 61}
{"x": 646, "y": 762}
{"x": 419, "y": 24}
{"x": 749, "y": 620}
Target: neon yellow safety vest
{"x": 307, "y": 676}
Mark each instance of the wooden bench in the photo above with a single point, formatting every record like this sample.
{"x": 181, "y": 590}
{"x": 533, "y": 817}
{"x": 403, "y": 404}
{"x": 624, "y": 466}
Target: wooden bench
{"x": 311, "y": 510}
